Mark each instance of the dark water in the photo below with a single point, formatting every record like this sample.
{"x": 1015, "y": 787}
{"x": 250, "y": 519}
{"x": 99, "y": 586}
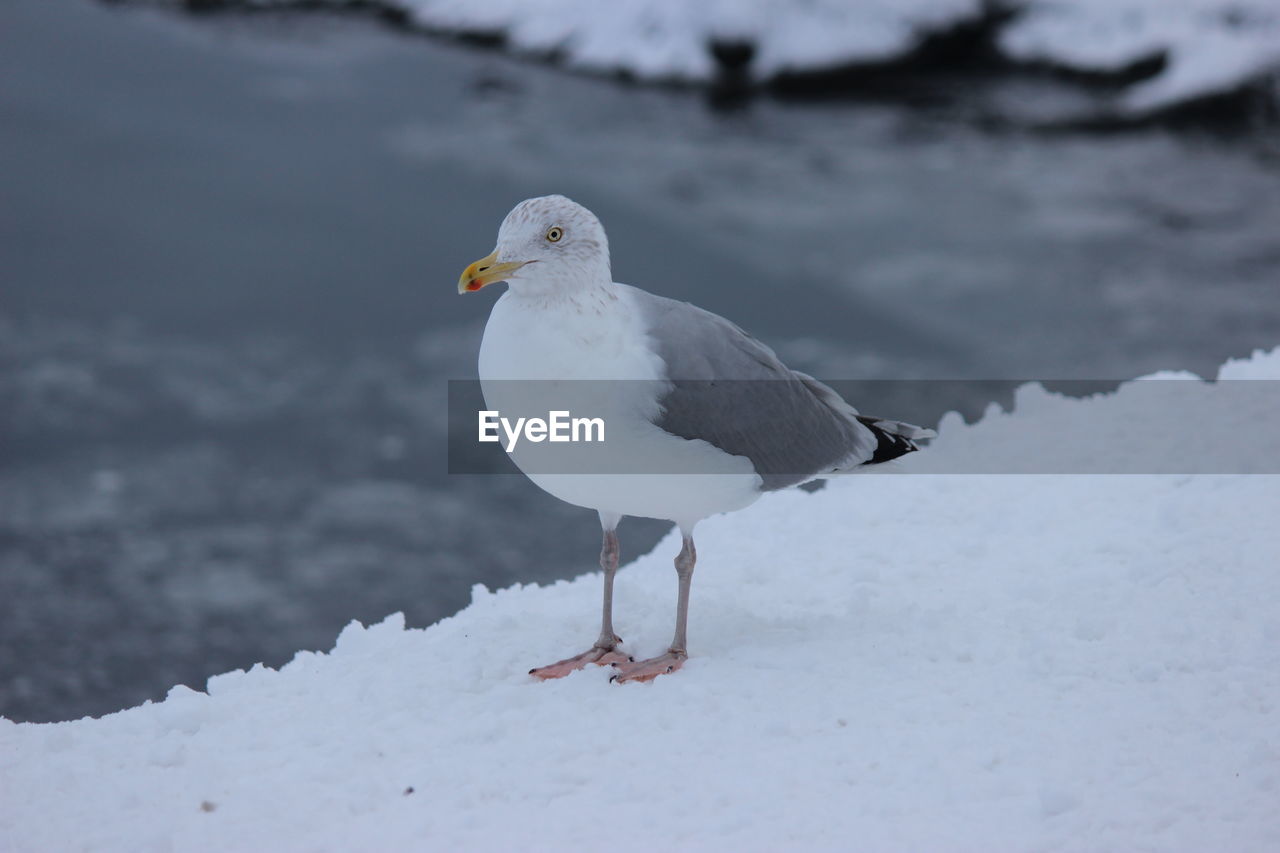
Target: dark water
{"x": 229, "y": 248}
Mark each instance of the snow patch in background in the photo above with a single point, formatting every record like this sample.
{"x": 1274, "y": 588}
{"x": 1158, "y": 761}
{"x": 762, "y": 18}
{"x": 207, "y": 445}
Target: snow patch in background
{"x": 1079, "y": 663}
{"x": 1211, "y": 46}
{"x": 670, "y": 39}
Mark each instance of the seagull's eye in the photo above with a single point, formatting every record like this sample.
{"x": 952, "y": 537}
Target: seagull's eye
{"x": 554, "y": 233}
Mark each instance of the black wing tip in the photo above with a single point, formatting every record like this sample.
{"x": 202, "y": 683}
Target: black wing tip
{"x": 891, "y": 443}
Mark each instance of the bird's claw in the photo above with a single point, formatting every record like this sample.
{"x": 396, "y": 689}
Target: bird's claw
{"x": 648, "y": 670}
{"x": 596, "y": 654}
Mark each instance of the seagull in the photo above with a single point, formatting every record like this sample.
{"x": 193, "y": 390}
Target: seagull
{"x": 702, "y": 418}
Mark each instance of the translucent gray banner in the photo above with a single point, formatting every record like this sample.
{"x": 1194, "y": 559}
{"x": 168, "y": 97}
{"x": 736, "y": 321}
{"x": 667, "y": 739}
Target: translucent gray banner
{"x": 617, "y": 427}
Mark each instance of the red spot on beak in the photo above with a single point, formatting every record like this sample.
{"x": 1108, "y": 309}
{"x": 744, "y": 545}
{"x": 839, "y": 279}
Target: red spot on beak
{"x": 474, "y": 285}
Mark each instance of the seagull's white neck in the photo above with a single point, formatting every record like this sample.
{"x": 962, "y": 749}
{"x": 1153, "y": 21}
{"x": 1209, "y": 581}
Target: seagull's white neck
{"x": 583, "y": 285}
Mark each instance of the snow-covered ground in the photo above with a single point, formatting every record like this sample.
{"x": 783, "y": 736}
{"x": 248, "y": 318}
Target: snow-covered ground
{"x": 940, "y": 662}
{"x": 1211, "y": 46}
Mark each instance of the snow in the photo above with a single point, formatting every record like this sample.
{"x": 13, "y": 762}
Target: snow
{"x": 1153, "y": 425}
{"x": 1213, "y": 46}
{"x": 941, "y": 662}
{"x": 669, "y": 39}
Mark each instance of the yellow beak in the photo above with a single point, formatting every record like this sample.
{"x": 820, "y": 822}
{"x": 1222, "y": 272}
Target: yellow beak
{"x": 487, "y": 270}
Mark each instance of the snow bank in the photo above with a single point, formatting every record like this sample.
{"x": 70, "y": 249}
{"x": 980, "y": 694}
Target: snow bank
{"x": 1159, "y": 424}
{"x": 1212, "y": 45}
{"x": 895, "y": 662}
{"x": 671, "y": 38}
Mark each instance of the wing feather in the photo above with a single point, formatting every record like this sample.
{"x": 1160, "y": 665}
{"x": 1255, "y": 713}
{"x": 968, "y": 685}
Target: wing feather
{"x": 732, "y": 391}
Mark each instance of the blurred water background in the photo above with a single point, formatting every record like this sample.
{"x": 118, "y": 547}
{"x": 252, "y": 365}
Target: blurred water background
{"x": 229, "y": 246}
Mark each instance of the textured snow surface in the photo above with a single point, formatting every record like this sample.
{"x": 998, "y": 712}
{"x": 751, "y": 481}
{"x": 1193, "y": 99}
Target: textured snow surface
{"x": 670, "y": 38}
{"x": 1153, "y": 425}
{"x": 1212, "y": 45}
{"x": 896, "y": 662}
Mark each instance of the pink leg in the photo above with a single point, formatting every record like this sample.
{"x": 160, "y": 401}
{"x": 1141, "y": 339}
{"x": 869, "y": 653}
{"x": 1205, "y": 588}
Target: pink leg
{"x": 605, "y": 651}
{"x": 648, "y": 670}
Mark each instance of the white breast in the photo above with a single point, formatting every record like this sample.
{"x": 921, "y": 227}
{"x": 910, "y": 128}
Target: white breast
{"x": 590, "y": 335}
{"x": 598, "y": 336}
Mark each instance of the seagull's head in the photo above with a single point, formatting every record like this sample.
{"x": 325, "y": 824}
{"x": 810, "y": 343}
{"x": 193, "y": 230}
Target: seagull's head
{"x": 545, "y": 244}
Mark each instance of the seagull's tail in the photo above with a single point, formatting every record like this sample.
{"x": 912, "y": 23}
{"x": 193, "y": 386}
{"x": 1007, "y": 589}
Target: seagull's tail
{"x": 893, "y": 438}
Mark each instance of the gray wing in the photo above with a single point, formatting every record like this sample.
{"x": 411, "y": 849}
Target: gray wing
{"x": 731, "y": 391}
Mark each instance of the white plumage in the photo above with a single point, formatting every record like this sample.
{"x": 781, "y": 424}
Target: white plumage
{"x": 700, "y": 417}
